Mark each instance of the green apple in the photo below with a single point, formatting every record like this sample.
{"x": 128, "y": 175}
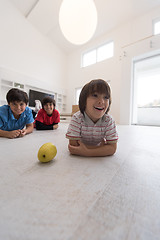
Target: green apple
{"x": 47, "y": 152}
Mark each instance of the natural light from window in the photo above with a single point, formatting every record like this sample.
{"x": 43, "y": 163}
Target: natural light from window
{"x": 98, "y": 54}
{"x": 105, "y": 52}
{"x": 89, "y": 58}
{"x": 157, "y": 28}
{"x": 148, "y": 91}
{"x": 146, "y": 85}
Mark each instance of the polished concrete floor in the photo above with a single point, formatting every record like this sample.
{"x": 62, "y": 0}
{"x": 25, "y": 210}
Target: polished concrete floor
{"x": 77, "y": 198}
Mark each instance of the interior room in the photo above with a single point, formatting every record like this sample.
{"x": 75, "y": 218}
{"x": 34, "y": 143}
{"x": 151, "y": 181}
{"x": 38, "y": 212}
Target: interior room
{"x": 75, "y": 197}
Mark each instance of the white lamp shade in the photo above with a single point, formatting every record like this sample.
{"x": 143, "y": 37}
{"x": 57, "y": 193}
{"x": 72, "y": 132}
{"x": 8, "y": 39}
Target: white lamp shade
{"x": 78, "y": 20}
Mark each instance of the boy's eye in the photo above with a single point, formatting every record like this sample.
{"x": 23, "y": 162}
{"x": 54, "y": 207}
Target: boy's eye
{"x": 94, "y": 95}
{"x": 106, "y": 97}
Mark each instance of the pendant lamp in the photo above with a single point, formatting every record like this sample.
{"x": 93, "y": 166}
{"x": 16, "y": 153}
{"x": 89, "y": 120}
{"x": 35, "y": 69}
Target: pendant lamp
{"x": 78, "y": 20}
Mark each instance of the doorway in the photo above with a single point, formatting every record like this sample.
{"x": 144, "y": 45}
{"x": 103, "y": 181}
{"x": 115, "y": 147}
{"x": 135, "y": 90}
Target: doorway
{"x": 146, "y": 91}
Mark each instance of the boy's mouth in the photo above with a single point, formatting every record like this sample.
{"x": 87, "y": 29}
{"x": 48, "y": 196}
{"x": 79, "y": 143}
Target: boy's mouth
{"x": 99, "y": 108}
{"x": 18, "y": 111}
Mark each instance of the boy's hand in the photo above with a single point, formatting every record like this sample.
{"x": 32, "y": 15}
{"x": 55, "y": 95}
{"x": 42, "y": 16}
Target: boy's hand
{"x": 55, "y": 126}
{"x": 14, "y": 134}
{"x": 22, "y": 133}
{"x": 80, "y": 150}
{"x": 104, "y": 142}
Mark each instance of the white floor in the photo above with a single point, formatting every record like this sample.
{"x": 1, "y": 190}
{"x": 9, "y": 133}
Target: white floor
{"x": 76, "y": 198}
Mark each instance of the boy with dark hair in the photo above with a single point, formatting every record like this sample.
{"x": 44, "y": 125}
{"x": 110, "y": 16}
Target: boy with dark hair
{"x": 92, "y": 131}
{"x": 48, "y": 117}
{"x": 16, "y": 118}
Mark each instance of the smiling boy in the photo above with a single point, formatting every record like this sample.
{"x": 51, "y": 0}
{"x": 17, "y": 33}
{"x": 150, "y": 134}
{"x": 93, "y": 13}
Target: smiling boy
{"x": 16, "y": 119}
{"x": 48, "y": 117}
{"x": 92, "y": 131}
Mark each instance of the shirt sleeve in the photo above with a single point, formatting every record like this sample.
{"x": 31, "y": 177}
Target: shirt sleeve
{"x": 111, "y": 134}
{"x": 74, "y": 129}
{"x": 57, "y": 118}
{"x": 40, "y": 116}
{"x": 30, "y": 118}
{"x": 41, "y": 126}
{"x": 1, "y": 122}
{"x": 2, "y": 117}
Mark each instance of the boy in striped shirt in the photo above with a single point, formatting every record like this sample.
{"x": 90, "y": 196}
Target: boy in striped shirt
{"x": 92, "y": 131}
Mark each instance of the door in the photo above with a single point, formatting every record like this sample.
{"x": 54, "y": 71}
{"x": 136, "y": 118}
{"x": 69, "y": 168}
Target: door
{"x": 146, "y": 91}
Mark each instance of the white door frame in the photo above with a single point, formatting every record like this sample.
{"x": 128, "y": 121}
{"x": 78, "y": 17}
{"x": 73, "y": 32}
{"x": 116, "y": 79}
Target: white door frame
{"x": 134, "y": 52}
{"x": 134, "y": 89}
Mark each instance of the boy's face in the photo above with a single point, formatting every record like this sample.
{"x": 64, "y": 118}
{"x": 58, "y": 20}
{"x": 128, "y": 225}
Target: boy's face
{"x": 96, "y": 106}
{"x": 17, "y": 108}
{"x": 49, "y": 107}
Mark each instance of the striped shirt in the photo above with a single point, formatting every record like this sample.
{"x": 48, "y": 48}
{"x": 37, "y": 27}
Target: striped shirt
{"x": 83, "y": 128}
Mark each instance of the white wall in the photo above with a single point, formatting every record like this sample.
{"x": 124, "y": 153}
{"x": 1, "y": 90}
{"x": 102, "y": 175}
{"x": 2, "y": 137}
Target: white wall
{"x": 24, "y": 50}
{"x": 112, "y": 69}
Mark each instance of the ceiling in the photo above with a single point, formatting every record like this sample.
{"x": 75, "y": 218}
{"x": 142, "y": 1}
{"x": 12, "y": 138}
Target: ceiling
{"x": 43, "y": 14}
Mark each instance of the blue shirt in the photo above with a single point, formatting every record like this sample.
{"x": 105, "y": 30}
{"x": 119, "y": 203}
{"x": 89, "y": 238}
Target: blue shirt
{"x": 9, "y": 123}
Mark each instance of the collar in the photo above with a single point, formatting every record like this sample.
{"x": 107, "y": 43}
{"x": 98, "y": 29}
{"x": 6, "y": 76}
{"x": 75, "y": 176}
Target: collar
{"x": 90, "y": 122}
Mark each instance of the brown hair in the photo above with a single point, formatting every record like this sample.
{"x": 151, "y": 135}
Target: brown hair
{"x": 97, "y": 85}
{"x": 48, "y": 100}
{"x": 16, "y": 95}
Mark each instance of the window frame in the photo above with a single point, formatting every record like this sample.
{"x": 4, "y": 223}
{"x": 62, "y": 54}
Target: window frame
{"x": 96, "y": 49}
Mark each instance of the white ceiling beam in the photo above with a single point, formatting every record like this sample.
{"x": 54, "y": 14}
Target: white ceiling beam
{"x": 31, "y": 9}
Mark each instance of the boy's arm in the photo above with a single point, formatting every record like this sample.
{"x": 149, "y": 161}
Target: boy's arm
{"x": 41, "y": 126}
{"x": 92, "y": 151}
{"x": 28, "y": 129}
{"x": 10, "y": 134}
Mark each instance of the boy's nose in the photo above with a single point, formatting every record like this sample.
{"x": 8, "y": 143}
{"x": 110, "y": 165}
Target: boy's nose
{"x": 18, "y": 106}
{"x": 101, "y": 100}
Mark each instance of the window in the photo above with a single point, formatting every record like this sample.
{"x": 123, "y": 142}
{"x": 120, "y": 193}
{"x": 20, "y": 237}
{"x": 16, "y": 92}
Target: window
{"x": 89, "y": 58}
{"x": 146, "y": 97}
{"x": 156, "y": 27}
{"x": 98, "y": 54}
{"x": 105, "y": 52}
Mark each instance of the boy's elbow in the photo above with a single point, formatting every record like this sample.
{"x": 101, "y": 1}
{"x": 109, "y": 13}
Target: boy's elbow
{"x": 112, "y": 153}
{"x": 113, "y": 149}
